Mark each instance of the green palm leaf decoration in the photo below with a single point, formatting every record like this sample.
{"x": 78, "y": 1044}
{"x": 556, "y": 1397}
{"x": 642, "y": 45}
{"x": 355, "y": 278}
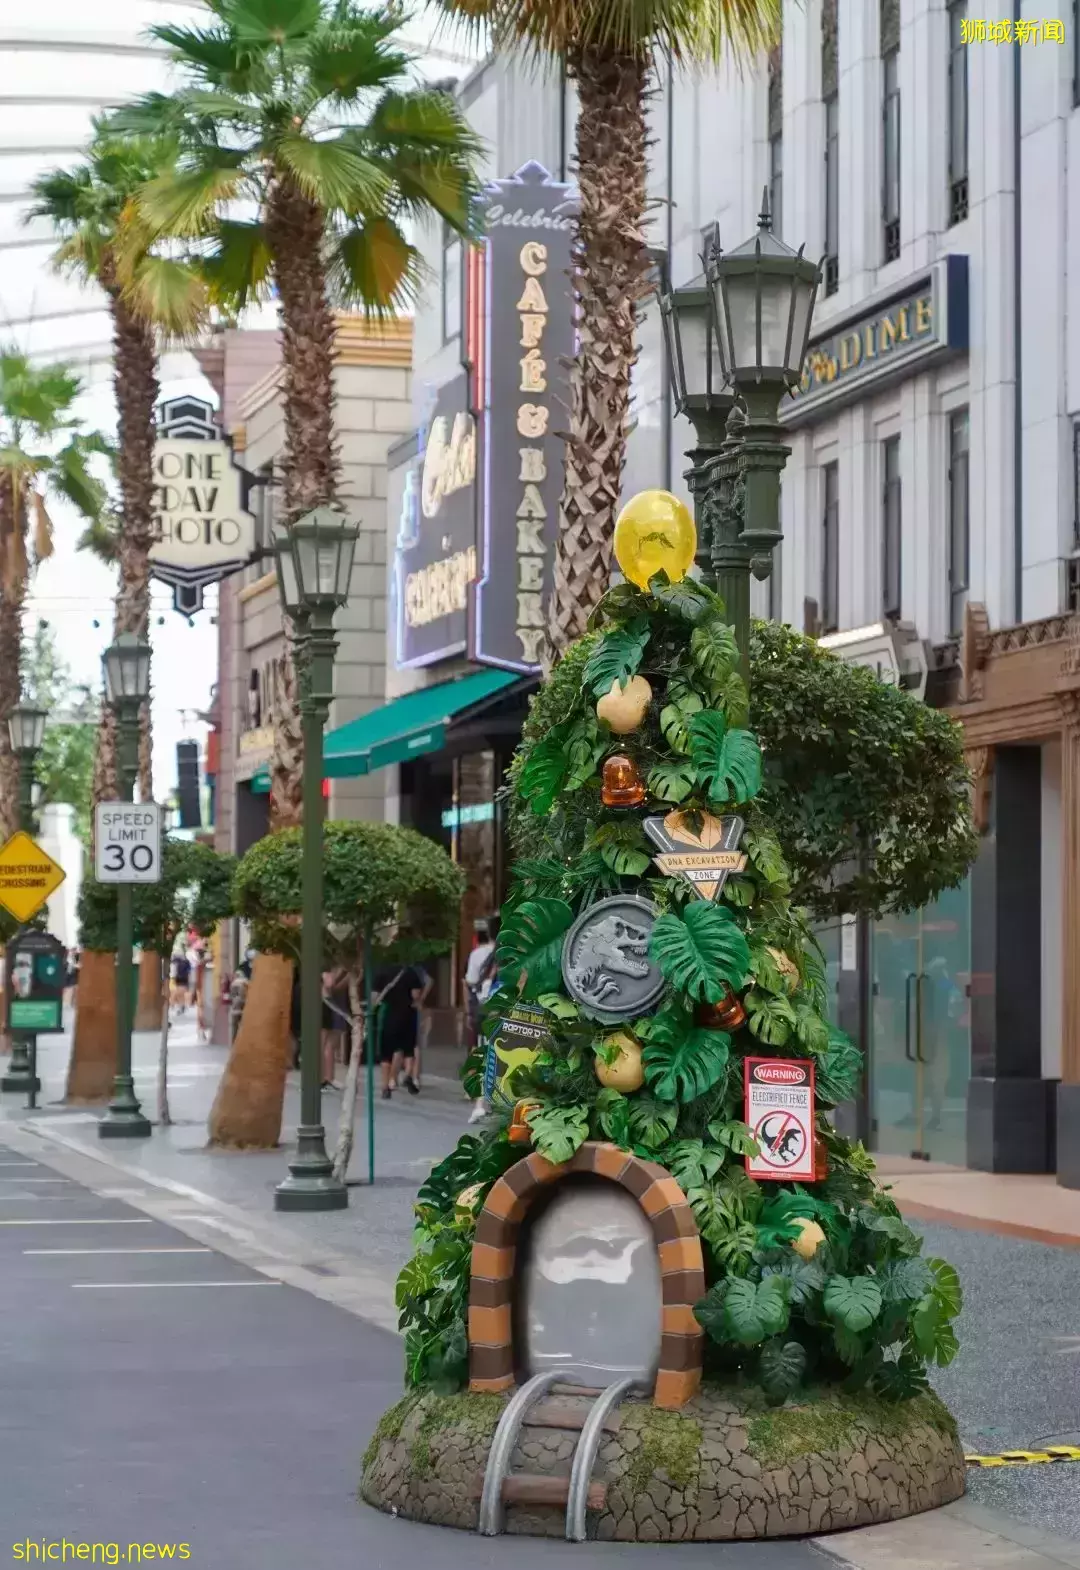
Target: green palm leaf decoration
{"x": 530, "y": 946}
{"x": 701, "y": 951}
{"x": 713, "y": 649}
{"x": 727, "y": 762}
{"x": 681, "y": 1069}
{"x": 616, "y": 657}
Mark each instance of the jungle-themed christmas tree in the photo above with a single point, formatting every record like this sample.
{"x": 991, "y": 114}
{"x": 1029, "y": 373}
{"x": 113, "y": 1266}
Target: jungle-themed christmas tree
{"x": 655, "y": 950}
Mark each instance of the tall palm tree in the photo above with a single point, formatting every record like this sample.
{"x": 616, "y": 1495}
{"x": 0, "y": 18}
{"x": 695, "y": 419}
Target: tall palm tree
{"x": 304, "y": 152}
{"x": 609, "y": 49}
{"x": 42, "y": 451}
{"x": 300, "y": 115}
{"x": 150, "y": 297}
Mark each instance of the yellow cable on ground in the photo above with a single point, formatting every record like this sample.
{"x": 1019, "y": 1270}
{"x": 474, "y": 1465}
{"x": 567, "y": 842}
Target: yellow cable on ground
{"x": 1027, "y": 1457}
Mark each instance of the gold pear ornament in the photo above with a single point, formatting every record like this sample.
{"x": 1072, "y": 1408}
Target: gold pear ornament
{"x": 623, "y": 708}
{"x": 625, "y": 1073}
{"x": 810, "y": 1237}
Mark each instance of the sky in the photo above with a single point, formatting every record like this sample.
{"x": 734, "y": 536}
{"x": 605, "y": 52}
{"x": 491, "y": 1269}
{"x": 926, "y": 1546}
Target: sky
{"x": 62, "y": 61}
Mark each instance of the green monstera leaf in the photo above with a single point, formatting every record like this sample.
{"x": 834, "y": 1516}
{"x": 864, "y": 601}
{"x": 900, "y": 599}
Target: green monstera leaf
{"x": 530, "y": 946}
{"x": 838, "y": 1071}
{"x": 781, "y": 1366}
{"x": 727, "y": 762}
{"x": 687, "y": 598}
{"x": 688, "y": 1066}
{"x": 755, "y": 1310}
{"x": 713, "y": 649}
{"x": 558, "y": 1131}
{"x": 700, "y": 951}
{"x": 852, "y": 1301}
{"x": 616, "y": 657}
{"x": 545, "y": 773}
{"x": 672, "y": 780}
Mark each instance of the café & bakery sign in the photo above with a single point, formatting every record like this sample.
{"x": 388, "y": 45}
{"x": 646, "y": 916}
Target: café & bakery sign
{"x": 519, "y": 341}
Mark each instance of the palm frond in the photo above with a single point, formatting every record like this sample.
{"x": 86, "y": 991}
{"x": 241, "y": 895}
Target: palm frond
{"x": 169, "y": 295}
{"x": 101, "y": 538}
{"x": 344, "y": 60}
{"x": 71, "y": 478}
{"x": 690, "y": 31}
{"x": 333, "y": 173}
{"x": 269, "y": 21}
{"x": 237, "y": 269}
{"x": 43, "y": 528}
{"x": 184, "y": 202}
{"x": 374, "y": 268}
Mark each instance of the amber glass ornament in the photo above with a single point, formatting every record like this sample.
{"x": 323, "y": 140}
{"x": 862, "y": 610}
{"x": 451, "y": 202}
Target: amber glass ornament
{"x": 728, "y": 1014}
{"x": 622, "y": 784}
{"x": 519, "y": 1132}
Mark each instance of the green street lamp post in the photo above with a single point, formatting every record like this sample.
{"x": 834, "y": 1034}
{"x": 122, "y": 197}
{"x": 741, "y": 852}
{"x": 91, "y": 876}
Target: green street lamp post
{"x": 760, "y": 303}
{"x": 697, "y": 383}
{"x": 314, "y": 567}
{"x": 26, "y": 731}
{"x": 126, "y": 666}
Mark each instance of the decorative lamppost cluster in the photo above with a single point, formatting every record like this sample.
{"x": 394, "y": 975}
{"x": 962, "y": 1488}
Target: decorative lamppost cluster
{"x": 314, "y": 559}
{"x": 736, "y": 339}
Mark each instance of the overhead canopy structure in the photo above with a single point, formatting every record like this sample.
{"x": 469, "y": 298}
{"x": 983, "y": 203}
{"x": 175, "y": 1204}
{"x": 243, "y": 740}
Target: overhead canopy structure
{"x": 404, "y": 728}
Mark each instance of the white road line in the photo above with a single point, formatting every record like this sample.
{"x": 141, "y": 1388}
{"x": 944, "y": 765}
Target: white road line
{"x": 116, "y": 1286}
{"x": 147, "y": 1250}
{"x": 20, "y": 1163}
{"x": 21, "y": 1181}
{"x": 77, "y": 1221}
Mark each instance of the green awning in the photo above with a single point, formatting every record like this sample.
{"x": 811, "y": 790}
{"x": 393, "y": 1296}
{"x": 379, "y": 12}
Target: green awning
{"x": 407, "y": 726}
{"x": 259, "y": 783}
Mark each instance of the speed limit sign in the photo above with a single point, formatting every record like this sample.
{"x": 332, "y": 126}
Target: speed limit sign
{"x": 127, "y": 842}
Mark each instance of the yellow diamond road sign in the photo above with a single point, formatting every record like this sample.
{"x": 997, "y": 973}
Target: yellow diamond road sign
{"x": 27, "y": 876}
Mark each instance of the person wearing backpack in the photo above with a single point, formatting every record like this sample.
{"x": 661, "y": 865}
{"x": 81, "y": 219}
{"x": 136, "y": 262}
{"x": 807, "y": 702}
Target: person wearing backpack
{"x": 481, "y": 980}
{"x": 398, "y": 990}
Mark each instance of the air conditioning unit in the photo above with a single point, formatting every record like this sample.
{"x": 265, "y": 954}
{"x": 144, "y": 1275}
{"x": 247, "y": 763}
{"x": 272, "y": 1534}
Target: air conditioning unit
{"x": 893, "y": 651}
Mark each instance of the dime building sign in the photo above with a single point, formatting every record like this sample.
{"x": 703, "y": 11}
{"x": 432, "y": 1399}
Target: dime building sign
{"x": 519, "y": 340}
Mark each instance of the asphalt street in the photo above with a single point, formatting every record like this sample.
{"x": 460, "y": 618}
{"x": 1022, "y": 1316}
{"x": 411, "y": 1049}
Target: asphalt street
{"x": 151, "y": 1395}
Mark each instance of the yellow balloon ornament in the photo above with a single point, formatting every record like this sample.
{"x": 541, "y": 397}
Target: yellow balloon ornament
{"x": 654, "y": 533}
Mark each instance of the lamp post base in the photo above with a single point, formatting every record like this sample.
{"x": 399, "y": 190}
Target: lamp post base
{"x": 16, "y": 1082}
{"x": 124, "y": 1118}
{"x": 311, "y": 1184}
{"x": 18, "y": 1074}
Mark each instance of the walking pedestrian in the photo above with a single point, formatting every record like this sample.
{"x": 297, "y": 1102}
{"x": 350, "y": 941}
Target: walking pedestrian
{"x": 398, "y": 989}
{"x": 481, "y": 979}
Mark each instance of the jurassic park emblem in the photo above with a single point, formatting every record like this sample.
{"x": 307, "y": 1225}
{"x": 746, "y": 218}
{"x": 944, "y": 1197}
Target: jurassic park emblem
{"x": 698, "y": 848}
{"x": 605, "y": 959}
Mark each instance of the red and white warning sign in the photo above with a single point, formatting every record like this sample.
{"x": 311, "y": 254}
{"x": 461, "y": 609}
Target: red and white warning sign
{"x": 779, "y": 1111}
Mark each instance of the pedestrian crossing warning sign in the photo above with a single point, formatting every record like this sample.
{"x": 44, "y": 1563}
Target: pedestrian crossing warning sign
{"x": 28, "y": 876}
{"x": 779, "y": 1111}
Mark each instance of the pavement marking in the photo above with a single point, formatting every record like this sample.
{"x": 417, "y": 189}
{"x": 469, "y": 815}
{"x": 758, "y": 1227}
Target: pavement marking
{"x": 148, "y": 1250}
{"x": 1027, "y": 1457}
{"x": 19, "y": 1164}
{"x": 21, "y": 1182}
{"x": 76, "y": 1221}
{"x": 116, "y": 1286}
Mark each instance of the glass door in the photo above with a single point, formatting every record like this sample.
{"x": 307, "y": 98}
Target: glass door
{"x": 921, "y": 1039}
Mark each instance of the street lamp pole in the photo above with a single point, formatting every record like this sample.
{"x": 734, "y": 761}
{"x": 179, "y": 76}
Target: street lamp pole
{"x": 126, "y": 665}
{"x": 314, "y": 565}
{"x": 750, "y": 334}
{"x": 26, "y": 731}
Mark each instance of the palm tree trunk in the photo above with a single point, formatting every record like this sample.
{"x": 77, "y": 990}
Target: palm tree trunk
{"x": 248, "y": 1107}
{"x": 13, "y": 521}
{"x": 611, "y": 280}
{"x": 135, "y": 386}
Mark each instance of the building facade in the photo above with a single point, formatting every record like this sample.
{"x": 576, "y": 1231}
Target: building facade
{"x": 931, "y": 486}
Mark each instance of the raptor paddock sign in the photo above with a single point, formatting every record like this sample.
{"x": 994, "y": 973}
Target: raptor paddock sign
{"x": 780, "y": 1114}
{"x": 202, "y": 529}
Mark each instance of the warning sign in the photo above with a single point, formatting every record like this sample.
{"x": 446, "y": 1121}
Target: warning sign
{"x": 780, "y": 1113}
{"x": 28, "y": 875}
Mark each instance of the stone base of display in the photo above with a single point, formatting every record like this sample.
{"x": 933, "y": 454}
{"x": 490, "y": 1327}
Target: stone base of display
{"x": 724, "y": 1466}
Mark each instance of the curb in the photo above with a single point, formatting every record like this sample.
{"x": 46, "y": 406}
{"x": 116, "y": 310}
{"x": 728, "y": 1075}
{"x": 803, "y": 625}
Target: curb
{"x": 962, "y": 1536}
{"x": 271, "y": 1250}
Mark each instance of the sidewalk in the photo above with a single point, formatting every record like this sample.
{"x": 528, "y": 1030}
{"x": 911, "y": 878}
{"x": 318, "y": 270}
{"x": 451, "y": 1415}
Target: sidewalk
{"x": 1027, "y": 1205}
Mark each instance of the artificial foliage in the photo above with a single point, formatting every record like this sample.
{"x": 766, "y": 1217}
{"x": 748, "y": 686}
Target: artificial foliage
{"x": 865, "y": 787}
{"x": 822, "y": 1283}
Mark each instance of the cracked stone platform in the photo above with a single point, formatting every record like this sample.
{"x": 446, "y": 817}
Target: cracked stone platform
{"x": 724, "y": 1467}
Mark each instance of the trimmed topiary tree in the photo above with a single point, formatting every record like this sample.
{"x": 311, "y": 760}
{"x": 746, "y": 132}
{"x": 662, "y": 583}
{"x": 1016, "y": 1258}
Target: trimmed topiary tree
{"x": 389, "y": 894}
{"x": 820, "y": 1283}
{"x": 195, "y": 890}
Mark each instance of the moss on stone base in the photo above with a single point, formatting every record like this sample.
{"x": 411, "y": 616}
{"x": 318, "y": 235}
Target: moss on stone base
{"x": 724, "y": 1467}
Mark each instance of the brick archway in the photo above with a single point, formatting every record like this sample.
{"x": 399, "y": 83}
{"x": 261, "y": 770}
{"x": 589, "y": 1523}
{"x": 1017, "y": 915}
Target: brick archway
{"x": 491, "y": 1352}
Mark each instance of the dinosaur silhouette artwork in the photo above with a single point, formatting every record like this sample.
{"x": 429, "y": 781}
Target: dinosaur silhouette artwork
{"x": 782, "y": 1137}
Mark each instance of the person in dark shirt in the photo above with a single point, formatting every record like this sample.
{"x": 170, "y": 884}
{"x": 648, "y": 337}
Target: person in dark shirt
{"x": 396, "y": 997}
